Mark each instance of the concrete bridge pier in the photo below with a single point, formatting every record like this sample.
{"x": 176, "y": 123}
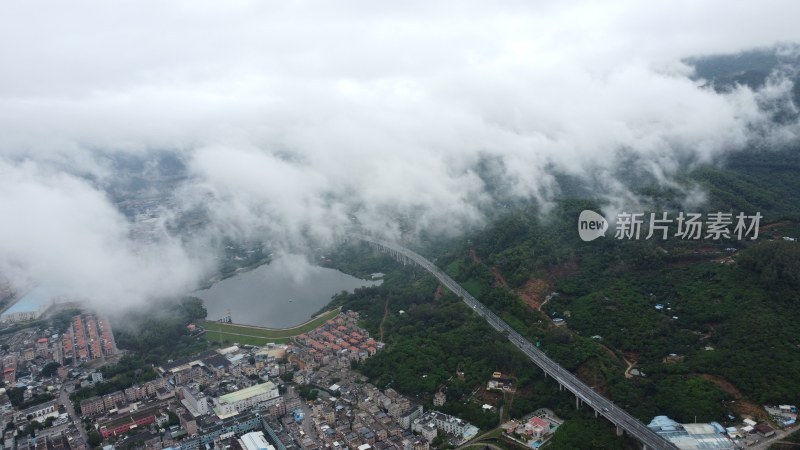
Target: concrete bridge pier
{"x": 398, "y": 256}
{"x": 619, "y": 430}
{"x": 577, "y": 402}
{"x": 595, "y": 414}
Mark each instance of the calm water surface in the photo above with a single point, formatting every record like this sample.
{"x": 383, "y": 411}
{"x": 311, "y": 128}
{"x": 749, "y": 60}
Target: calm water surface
{"x": 281, "y": 294}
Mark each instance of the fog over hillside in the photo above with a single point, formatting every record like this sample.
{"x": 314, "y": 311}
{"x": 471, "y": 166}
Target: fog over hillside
{"x": 285, "y": 123}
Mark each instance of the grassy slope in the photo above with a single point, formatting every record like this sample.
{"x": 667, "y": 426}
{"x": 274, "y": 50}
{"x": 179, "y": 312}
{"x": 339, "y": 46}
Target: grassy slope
{"x": 245, "y": 334}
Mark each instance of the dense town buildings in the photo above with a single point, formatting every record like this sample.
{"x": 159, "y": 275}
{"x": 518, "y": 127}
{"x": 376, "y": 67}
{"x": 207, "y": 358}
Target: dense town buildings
{"x": 242, "y": 396}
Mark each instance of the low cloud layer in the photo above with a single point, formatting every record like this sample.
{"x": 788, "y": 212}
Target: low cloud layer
{"x": 295, "y": 120}
{"x": 62, "y": 232}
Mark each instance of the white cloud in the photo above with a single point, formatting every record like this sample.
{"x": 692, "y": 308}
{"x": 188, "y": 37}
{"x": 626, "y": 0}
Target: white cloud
{"x": 63, "y": 232}
{"x": 294, "y": 116}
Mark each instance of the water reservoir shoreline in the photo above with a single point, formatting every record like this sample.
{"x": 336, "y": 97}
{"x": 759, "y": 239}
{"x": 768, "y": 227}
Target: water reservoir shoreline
{"x": 284, "y": 293}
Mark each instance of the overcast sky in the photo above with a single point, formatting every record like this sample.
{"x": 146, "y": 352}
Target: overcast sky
{"x": 295, "y": 114}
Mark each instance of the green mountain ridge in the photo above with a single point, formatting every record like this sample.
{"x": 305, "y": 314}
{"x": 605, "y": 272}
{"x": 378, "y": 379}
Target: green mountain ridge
{"x": 728, "y": 319}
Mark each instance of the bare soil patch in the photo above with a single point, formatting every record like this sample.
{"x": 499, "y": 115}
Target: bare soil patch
{"x": 534, "y": 292}
{"x": 741, "y": 406}
{"x": 499, "y": 279}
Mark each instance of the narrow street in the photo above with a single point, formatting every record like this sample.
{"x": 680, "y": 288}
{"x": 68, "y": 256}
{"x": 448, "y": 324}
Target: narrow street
{"x": 63, "y": 398}
{"x": 307, "y": 425}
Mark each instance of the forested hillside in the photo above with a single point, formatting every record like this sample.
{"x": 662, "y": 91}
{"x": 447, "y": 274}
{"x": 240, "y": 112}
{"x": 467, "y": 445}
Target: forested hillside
{"x": 708, "y": 325}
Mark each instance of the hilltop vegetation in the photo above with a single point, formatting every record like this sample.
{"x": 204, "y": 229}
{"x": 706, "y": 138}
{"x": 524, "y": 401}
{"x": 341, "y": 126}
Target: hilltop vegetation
{"x": 730, "y": 317}
{"x": 432, "y": 337}
{"x": 159, "y": 335}
{"x": 775, "y": 264}
{"x": 708, "y": 324}
{"x": 723, "y": 341}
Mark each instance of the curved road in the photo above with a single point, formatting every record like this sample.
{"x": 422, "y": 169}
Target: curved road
{"x": 618, "y": 416}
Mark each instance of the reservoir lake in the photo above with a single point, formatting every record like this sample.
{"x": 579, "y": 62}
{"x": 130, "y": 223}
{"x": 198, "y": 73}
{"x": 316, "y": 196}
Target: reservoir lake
{"x": 281, "y": 294}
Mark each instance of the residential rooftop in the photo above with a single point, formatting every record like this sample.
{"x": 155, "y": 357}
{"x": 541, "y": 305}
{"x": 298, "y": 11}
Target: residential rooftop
{"x": 245, "y": 393}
